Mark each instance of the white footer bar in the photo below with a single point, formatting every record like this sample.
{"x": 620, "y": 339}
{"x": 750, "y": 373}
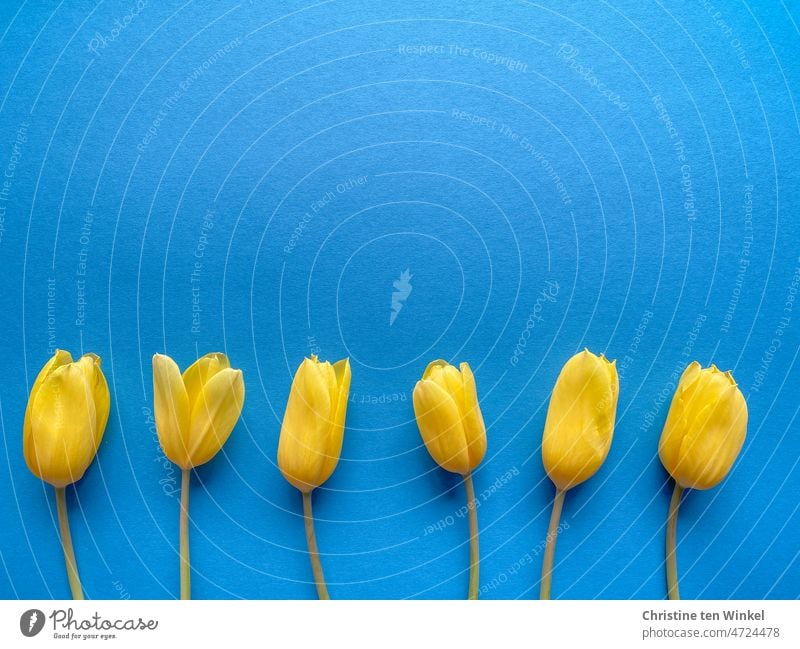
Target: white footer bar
{"x": 406, "y": 624}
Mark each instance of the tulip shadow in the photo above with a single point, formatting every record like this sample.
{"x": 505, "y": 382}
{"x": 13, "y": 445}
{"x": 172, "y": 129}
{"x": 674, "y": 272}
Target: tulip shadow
{"x": 443, "y": 484}
{"x": 206, "y": 476}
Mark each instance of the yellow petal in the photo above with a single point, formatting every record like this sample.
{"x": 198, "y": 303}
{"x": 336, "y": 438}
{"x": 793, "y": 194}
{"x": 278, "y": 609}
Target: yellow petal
{"x": 90, "y": 364}
{"x": 328, "y": 376}
{"x": 472, "y": 418}
{"x": 61, "y": 357}
{"x": 58, "y": 359}
{"x": 449, "y": 378}
{"x": 214, "y": 415}
{"x": 305, "y": 451}
{"x": 201, "y": 371}
{"x": 705, "y": 428}
{"x": 580, "y": 419}
{"x": 676, "y": 425}
{"x": 439, "y": 421}
{"x": 433, "y": 365}
{"x": 60, "y": 445}
{"x": 171, "y": 406}
{"x": 333, "y": 447}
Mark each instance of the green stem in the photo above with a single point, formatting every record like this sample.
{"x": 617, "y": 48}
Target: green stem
{"x": 550, "y": 545}
{"x": 474, "y": 551}
{"x": 313, "y": 552}
{"x": 186, "y": 570}
{"x": 672, "y": 533}
{"x": 66, "y": 544}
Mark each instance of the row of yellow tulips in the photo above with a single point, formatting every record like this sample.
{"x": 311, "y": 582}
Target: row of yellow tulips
{"x": 195, "y": 412}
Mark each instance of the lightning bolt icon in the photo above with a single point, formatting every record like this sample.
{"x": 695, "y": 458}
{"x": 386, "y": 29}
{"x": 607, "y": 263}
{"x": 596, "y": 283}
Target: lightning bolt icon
{"x": 32, "y": 621}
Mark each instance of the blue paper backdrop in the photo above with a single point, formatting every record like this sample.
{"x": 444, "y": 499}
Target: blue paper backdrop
{"x": 253, "y": 177}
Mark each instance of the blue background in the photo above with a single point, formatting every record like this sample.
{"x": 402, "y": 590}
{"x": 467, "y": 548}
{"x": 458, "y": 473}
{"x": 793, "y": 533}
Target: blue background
{"x": 603, "y": 152}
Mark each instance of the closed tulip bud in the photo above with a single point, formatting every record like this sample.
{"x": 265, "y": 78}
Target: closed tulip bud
{"x": 580, "y": 419}
{"x": 705, "y": 427}
{"x": 704, "y": 432}
{"x": 313, "y": 426}
{"x": 65, "y": 418}
{"x": 196, "y": 412}
{"x": 451, "y": 424}
{"x": 64, "y": 425}
{"x": 577, "y": 435}
{"x": 449, "y": 416}
{"x": 311, "y": 438}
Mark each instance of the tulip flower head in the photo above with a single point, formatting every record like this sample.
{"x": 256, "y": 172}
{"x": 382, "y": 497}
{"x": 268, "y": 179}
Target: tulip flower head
{"x": 64, "y": 424}
{"x": 311, "y": 439}
{"x": 449, "y": 416}
{"x": 313, "y": 425}
{"x": 451, "y": 424}
{"x": 196, "y": 412}
{"x": 577, "y": 435}
{"x": 705, "y": 427}
{"x": 580, "y": 419}
{"x": 704, "y": 432}
{"x": 65, "y": 418}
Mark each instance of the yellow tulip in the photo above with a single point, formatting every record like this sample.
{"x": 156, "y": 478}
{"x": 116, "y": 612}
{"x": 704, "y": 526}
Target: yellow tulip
{"x": 311, "y": 437}
{"x": 449, "y": 416}
{"x": 577, "y": 435}
{"x": 65, "y": 418}
{"x": 451, "y": 424}
{"x": 580, "y": 419}
{"x": 313, "y": 426}
{"x": 64, "y": 424}
{"x": 196, "y": 412}
{"x": 705, "y": 427}
{"x": 704, "y": 432}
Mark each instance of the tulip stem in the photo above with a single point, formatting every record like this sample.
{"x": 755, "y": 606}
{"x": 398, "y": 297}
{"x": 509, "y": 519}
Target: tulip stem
{"x": 550, "y": 544}
{"x": 66, "y": 544}
{"x": 672, "y": 533}
{"x": 186, "y": 570}
{"x": 313, "y": 552}
{"x": 474, "y": 551}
